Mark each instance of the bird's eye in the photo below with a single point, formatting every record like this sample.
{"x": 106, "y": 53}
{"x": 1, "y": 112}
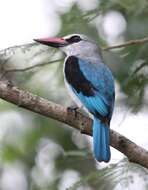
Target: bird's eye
{"x": 74, "y": 39}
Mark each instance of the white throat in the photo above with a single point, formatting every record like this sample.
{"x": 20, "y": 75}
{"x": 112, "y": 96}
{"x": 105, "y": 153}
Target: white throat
{"x": 84, "y": 49}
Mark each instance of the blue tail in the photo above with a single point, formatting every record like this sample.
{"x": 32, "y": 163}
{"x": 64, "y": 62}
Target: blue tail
{"x": 101, "y": 141}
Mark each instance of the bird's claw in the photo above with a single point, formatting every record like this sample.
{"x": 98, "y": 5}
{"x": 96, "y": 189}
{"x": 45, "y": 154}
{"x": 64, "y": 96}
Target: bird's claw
{"x": 74, "y": 109}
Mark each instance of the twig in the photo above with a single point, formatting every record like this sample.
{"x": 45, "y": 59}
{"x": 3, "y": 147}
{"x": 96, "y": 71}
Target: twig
{"x": 46, "y": 108}
{"x": 33, "y": 66}
{"x": 28, "y": 68}
{"x": 128, "y": 43}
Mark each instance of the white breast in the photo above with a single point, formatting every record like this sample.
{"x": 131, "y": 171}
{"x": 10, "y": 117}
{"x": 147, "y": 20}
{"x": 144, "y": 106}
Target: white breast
{"x": 72, "y": 94}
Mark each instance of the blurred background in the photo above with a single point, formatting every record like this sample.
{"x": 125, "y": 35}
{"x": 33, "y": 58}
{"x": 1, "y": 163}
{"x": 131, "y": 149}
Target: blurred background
{"x": 37, "y": 153}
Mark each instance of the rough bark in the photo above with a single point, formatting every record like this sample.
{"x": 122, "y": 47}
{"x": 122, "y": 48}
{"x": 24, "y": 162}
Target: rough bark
{"x": 76, "y": 120}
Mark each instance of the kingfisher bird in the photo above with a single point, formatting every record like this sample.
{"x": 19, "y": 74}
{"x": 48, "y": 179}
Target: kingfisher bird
{"x": 91, "y": 85}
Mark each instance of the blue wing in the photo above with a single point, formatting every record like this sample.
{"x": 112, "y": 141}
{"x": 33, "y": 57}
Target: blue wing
{"x": 92, "y": 83}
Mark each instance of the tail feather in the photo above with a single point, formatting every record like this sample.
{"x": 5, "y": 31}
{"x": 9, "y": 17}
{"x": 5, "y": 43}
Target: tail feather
{"x": 101, "y": 141}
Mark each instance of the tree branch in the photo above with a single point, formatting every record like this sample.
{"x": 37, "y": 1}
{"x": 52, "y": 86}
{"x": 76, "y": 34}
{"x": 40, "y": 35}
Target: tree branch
{"x": 46, "y": 108}
{"x": 128, "y": 43}
{"x": 28, "y": 68}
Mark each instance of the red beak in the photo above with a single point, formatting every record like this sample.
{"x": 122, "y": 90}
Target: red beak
{"x": 53, "y": 42}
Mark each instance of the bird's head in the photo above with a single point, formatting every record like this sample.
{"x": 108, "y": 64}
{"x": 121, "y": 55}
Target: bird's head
{"x": 74, "y": 44}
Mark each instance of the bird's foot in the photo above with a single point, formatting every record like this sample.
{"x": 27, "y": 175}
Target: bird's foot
{"x": 73, "y": 108}
{"x": 9, "y": 83}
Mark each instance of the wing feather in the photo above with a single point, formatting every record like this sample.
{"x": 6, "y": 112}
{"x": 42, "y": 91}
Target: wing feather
{"x": 92, "y": 83}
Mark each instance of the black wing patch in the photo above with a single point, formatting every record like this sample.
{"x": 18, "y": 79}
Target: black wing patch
{"x": 76, "y": 78}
